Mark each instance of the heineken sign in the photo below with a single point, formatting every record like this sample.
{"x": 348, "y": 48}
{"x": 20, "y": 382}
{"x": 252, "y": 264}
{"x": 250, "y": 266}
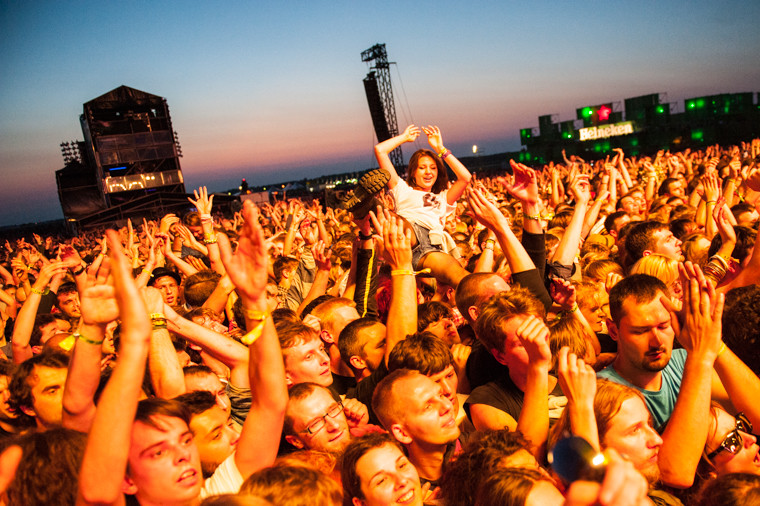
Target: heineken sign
{"x": 605, "y": 131}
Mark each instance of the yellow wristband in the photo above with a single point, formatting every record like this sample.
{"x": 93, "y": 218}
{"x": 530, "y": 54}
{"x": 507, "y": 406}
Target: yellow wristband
{"x": 80, "y": 337}
{"x": 253, "y": 314}
{"x": 157, "y": 316}
{"x": 721, "y": 350}
{"x": 256, "y": 331}
{"x": 409, "y": 272}
{"x": 41, "y": 292}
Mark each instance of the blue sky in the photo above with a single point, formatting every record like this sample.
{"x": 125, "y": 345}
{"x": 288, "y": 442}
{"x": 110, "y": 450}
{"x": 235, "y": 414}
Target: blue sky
{"x": 272, "y": 90}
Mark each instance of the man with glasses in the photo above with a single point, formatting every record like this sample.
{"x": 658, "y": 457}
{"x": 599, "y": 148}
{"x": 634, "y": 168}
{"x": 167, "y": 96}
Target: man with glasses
{"x": 315, "y": 420}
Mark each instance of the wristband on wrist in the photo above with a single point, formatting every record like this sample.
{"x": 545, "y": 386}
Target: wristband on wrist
{"x": 252, "y": 335}
{"x": 149, "y": 272}
{"x": 721, "y": 350}
{"x": 536, "y": 217}
{"x": 364, "y": 237}
{"x": 41, "y": 292}
{"x": 158, "y": 321}
{"x": 80, "y": 337}
{"x": 210, "y": 239}
{"x": 409, "y": 272}
{"x": 80, "y": 271}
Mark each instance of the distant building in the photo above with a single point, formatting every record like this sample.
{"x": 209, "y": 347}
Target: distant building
{"x": 127, "y": 165}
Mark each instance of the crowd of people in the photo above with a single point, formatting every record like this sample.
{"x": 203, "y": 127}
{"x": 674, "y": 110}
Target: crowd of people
{"x": 580, "y": 333}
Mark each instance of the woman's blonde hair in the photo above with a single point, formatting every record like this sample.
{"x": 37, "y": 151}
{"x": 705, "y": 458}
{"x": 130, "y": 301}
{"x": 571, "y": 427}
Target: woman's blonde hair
{"x": 661, "y": 267}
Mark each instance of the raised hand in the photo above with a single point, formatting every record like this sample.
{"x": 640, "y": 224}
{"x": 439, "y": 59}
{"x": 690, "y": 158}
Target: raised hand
{"x": 411, "y": 133}
{"x": 202, "y": 201}
{"x": 135, "y": 324}
{"x": 525, "y": 184}
{"x": 47, "y": 273}
{"x": 97, "y": 299}
{"x": 612, "y": 279}
{"x": 703, "y": 309}
{"x": 484, "y": 211}
{"x": 725, "y": 228}
{"x": 576, "y": 378}
{"x": 398, "y": 244}
{"x": 580, "y": 188}
{"x": 356, "y": 412}
{"x": 166, "y": 223}
{"x": 247, "y": 267}
{"x": 534, "y": 336}
{"x": 70, "y": 257}
{"x": 434, "y": 138}
{"x": 195, "y": 262}
{"x": 321, "y": 256}
{"x": 753, "y": 179}
{"x": 711, "y": 187}
{"x": 563, "y": 293}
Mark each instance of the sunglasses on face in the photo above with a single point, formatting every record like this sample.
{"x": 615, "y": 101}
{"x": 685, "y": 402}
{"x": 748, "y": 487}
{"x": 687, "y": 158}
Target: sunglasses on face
{"x": 733, "y": 440}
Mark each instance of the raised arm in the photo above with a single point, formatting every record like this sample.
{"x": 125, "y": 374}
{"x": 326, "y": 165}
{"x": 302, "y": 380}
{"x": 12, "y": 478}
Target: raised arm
{"x": 203, "y": 204}
{"x": 321, "y": 277}
{"x": 227, "y": 351}
{"x": 701, "y": 338}
{"x": 524, "y": 187}
{"x": 98, "y": 308}
{"x": 165, "y": 371}
{"x": 489, "y": 216}
{"x": 623, "y": 168}
{"x": 260, "y": 436}
{"x": 184, "y": 267}
{"x": 533, "y": 421}
{"x": 383, "y": 149}
{"x": 397, "y": 243}
{"x": 578, "y": 382}
{"x": 460, "y": 171}
{"x": 569, "y": 244}
{"x": 22, "y": 331}
{"x": 105, "y": 456}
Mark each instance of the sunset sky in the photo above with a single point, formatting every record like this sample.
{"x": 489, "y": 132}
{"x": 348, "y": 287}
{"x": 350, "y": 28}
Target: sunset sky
{"x": 272, "y": 91}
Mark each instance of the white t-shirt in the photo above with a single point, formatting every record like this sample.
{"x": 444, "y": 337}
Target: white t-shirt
{"x": 426, "y": 209}
{"x": 225, "y": 480}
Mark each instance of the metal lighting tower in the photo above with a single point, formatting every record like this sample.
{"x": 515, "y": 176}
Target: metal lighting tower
{"x": 382, "y": 107}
